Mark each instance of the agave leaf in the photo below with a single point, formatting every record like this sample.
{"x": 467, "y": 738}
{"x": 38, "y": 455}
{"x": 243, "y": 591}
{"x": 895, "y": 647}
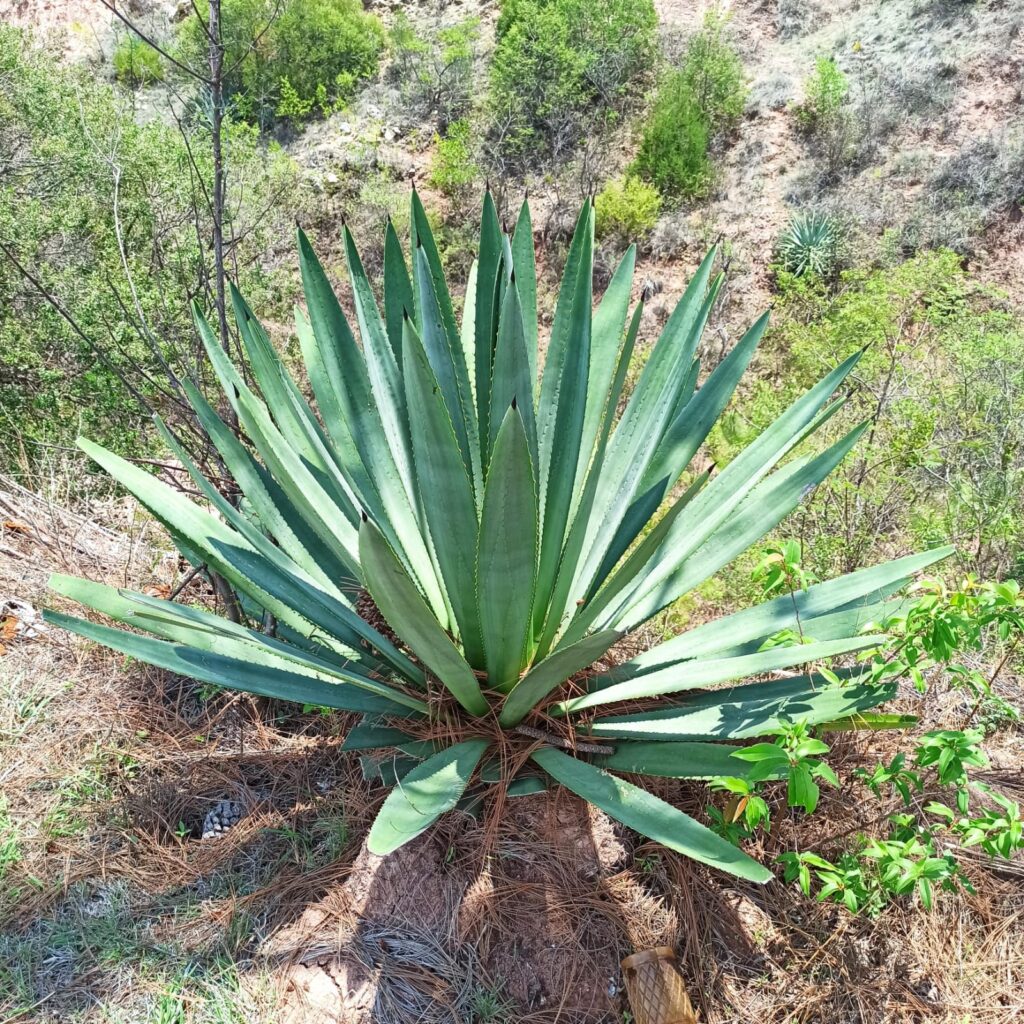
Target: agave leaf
{"x": 524, "y": 262}
{"x": 507, "y": 554}
{"x": 382, "y": 367}
{"x": 635, "y": 437}
{"x": 675, "y": 760}
{"x": 441, "y": 471}
{"x": 292, "y": 598}
{"x": 855, "y": 593}
{"x": 870, "y": 721}
{"x": 742, "y": 712}
{"x": 563, "y": 401}
{"x": 648, "y": 815}
{"x": 674, "y": 574}
{"x": 423, "y": 795}
{"x": 278, "y": 681}
{"x": 401, "y": 603}
{"x": 512, "y": 373}
{"x": 485, "y": 305}
{"x": 559, "y": 610}
{"x": 689, "y": 675}
{"x": 398, "y": 299}
{"x": 552, "y": 672}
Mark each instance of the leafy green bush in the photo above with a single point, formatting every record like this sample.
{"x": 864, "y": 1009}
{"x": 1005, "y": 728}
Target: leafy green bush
{"x": 810, "y": 245}
{"x": 453, "y": 170}
{"x": 941, "y": 375}
{"x": 310, "y": 57}
{"x": 136, "y": 62}
{"x": 59, "y": 128}
{"x": 561, "y": 68}
{"x": 626, "y": 208}
{"x": 700, "y": 100}
{"x": 434, "y": 69}
{"x": 825, "y": 93}
{"x": 673, "y": 153}
{"x": 508, "y": 537}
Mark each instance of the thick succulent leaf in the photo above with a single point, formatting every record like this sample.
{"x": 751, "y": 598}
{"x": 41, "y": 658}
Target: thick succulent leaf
{"x": 609, "y": 324}
{"x": 869, "y": 721}
{"x": 446, "y": 492}
{"x": 563, "y": 402}
{"x": 291, "y": 597}
{"x": 407, "y": 613}
{"x": 647, "y": 413}
{"x": 283, "y": 683}
{"x": 559, "y": 608}
{"x": 398, "y": 300}
{"x": 387, "y": 499}
{"x": 485, "y": 321}
{"x": 550, "y": 673}
{"x": 699, "y": 673}
{"x": 676, "y": 569}
{"x": 382, "y": 367}
{"x": 741, "y": 712}
{"x": 512, "y": 373}
{"x": 524, "y": 262}
{"x": 371, "y": 735}
{"x": 507, "y": 554}
{"x": 857, "y": 593}
{"x": 648, "y": 815}
{"x": 205, "y": 630}
{"x": 423, "y": 795}
{"x": 675, "y": 760}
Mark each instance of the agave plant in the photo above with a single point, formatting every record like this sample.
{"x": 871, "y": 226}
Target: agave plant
{"x": 810, "y": 245}
{"x": 452, "y": 542}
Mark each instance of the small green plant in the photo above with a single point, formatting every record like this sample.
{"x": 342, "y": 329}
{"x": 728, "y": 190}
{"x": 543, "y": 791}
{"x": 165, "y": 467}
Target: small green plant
{"x": 626, "y": 208}
{"x": 453, "y": 170}
{"x": 781, "y": 567}
{"x": 825, "y": 93}
{"x": 10, "y": 841}
{"x": 810, "y": 245}
{"x": 136, "y": 62}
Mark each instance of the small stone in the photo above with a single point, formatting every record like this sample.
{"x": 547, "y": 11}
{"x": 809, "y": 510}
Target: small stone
{"x": 225, "y": 815}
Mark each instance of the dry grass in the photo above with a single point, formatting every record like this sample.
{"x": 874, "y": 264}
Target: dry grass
{"x": 114, "y": 909}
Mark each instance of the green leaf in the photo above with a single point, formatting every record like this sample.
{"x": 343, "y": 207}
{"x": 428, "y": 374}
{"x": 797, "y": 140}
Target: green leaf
{"x": 673, "y": 760}
{"x": 486, "y": 308}
{"x": 552, "y": 672}
{"x": 283, "y": 683}
{"x": 446, "y": 492}
{"x": 423, "y": 795}
{"x": 524, "y": 261}
{"x": 398, "y": 300}
{"x": 507, "y": 555}
{"x": 646, "y": 814}
{"x": 407, "y": 613}
{"x": 741, "y": 712}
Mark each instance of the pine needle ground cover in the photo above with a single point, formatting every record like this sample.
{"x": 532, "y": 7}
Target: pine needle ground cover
{"x": 452, "y": 540}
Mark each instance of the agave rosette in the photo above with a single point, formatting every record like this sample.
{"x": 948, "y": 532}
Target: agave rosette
{"x": 500, "y": 518}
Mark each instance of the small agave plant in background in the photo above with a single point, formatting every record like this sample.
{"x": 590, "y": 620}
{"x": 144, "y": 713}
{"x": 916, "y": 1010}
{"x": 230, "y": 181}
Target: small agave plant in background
{"x": 453, "y": 541}
{"x": 810, "y": 245}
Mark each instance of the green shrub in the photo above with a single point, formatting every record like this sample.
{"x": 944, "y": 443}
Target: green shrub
{"x": 714, "y": 76}
{"x": 626, "y": 208}
{"x": 136, "y": 62}
{"x": 673, "y": 153}
{"x": 561, "y": 68}
{"x": 453, "y": 170}
{"x": 320, "y": 48}
{"x": 700, "y": 100}
{"x": 58, "y": 128}
{"x": 825, "y": 93}
{"x": 434, "y": 70}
